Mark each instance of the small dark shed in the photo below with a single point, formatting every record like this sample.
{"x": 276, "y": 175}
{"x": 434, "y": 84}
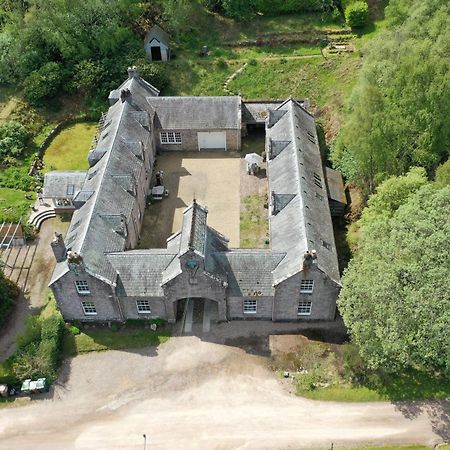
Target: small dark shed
{"x": 156, "y": 44}
{"x": 336, "y": 192}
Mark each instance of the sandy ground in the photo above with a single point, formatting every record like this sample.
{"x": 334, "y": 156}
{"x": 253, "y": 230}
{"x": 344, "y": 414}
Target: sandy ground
{"x": 212, "y": 178}
{"x": 32, "y": 298}
{"x": 193, "y": 394}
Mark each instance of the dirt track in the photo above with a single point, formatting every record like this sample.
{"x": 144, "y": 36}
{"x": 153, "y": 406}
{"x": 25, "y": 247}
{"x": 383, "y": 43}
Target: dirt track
{"x": 191, "y": 394}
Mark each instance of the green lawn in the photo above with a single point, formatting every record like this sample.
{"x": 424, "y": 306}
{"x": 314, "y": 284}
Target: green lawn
{"x": 69, "y": 149}
{"x": 254, "y": 224}
{"x": 14, "y": 204}
{"x": 94, "y": 340}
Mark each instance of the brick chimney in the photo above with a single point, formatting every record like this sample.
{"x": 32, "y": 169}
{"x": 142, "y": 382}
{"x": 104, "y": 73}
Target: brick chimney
{"x": 58, "y": 247}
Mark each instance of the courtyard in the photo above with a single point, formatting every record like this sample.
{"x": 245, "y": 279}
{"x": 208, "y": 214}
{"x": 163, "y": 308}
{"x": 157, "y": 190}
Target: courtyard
{"x": 213, "y": 178}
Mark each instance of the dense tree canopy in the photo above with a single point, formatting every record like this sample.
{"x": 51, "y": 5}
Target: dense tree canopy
{"x": 8, "y": 295}
{"x": 398, "y": 111}
{"x": 395, "y": 298}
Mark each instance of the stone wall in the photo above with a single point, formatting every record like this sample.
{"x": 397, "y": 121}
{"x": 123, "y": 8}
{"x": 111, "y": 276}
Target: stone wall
{"x": 101, "y": 294}
{"x": 323, "y": 298}
{"x": 263, "y": 308}
{"x": 157, "y": 308}
{"x": 189, "y": 140}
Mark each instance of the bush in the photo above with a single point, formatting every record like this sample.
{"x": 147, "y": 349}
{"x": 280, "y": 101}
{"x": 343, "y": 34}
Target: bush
{"x": 74, "y": 330}
{"x": 13, "y": 139}
{"x": 356, "y": 14}
{"x": 8, "y": 295}
{"x": 213, "y": 5}
{"x": 221, "y": 64}
{"x": 442, "y": 177}
{"x": 43, "y": 83}
{"x": 273, "y": 7}
{"x": 239, "y": 9}
{"x": 31, "y": 334}
{"x": 52, "y": 328}
{"x": 154, "y": 73}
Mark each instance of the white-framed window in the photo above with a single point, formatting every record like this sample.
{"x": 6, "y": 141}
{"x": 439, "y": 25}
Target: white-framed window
{"x": 306, "y": 286}
{"x": 304, "y": 308}
{"x": 170, "y": 137}
{"x": 250, "y": 306}
{"x": 89, "y": 308}
{"x": 143, "y": 306}
{"x": 82, "y": 287}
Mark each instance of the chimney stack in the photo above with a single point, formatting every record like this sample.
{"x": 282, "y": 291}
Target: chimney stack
{"x": 58, "y": 247}
{"x": 132, "y": 72}
{"x": 307, "y": 260}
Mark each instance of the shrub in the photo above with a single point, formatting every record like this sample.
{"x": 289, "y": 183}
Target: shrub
{"x": 87, "y": 76}
{"x": 74, "y": 330}
{"x": 114, "y": 327}
{"x": 274, "y": 7}
{"x": 154, "y": 73}
{"x": 8, "y": 295}
{"x": 356, "y": 14}
{"x": 52, "y": 328}
{"x": 213, "y": 5}
{"x": 252, "y": 62}
{"x": 13, "y": 139}
{"x": 43, "y": 83}
{"x": 32, "y": 332}
{"x": 221, "y": 64}
{"x": 239, "y": 9}
{"x": 442, "y": 177}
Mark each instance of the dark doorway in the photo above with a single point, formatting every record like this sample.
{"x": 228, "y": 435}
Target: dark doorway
{"x": 156, "y": 53}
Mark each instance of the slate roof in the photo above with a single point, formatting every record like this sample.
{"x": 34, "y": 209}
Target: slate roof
{"x": 335, "y": 185}
{"x": 140, "y": 271}
{"x": 99, "y": 225}
{"x": 156, "y": 32}
{"x": 295, "y": 174}
{"x": 63, "y": 183}
{"x": 193, "y": 231}
{"x": 249, "y": 271}
{"x": 196, "y": 113}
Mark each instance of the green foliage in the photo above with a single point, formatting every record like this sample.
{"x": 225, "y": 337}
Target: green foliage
{"x": 395, "y": 293}
{"x": 43, "y": 83}
{"x": 356, "y": 14}
{"x": 74, "y": 330}
{"x": 274, "y": 7}
{"x": 88, "y": 75}
{"x": 239, "y": 9}
{"x": 32, "y": 332}
{"x": 176, "y": 14}
{"x": 156, "y": 74}
{"x": 8, "y": 296}
{"x": 397, "y": 115}
{"x": 13, "y": 139}
{"x": 442, "y": 177}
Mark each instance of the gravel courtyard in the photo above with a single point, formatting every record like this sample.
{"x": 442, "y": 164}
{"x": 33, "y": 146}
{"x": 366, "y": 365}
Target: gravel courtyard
{"x": 213, "y": 178}
{"x": 191, "y": 394}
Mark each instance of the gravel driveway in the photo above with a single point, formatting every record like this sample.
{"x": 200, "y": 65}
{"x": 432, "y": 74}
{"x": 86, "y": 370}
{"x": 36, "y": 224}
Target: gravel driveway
{"x": 192, "y": 394}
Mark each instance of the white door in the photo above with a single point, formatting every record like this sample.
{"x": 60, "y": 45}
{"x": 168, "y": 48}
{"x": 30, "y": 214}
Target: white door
{"x": 212, "y": 140}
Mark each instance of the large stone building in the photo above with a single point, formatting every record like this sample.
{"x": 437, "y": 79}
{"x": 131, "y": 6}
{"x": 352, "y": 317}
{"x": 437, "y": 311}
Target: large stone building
{"x": 100, "y": 277}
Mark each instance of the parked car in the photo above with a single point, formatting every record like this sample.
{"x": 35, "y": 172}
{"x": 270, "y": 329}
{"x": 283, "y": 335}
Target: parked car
{"x": 34, "y": 387}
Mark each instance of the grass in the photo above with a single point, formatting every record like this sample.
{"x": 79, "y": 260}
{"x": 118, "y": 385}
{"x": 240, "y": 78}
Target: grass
{"x": 254, "y": 225}
{"x": 14, "y": 204}
{"x": 68, "y": 151}
{"x": 100, "y": 339}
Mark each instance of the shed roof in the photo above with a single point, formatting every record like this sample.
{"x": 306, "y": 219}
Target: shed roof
{"x": 196, "y": 113}
{"x": 63, "y": 183}
{"x": 156, "y": 32}
{"x": 295, "y": 174}
{"x": 335, "y": 185}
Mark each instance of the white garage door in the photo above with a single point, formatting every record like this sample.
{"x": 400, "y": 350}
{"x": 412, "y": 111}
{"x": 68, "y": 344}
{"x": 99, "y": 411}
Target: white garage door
{"x": 212, "y": 140}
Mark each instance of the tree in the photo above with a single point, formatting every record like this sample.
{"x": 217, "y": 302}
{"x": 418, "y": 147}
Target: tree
{"x": 43, "y": 83}
{"x": 442, "y": 177}
{"x": 87, "y": 76}
{"x": 13, "y": 139}
{"x": 395, "y": 299}
{"x": 8, "y": 296}
{"x": 397, "y": 114}
{"x": 356, "y": 14}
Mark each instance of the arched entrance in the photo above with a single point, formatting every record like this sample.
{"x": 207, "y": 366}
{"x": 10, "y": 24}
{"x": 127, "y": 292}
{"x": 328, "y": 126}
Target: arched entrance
{"x": 197, "y": 314}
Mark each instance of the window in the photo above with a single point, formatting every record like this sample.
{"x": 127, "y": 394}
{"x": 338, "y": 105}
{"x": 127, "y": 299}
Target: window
{"x": 304, "y": 308}
{"x": 320, "y": 197}
{"x": 143, "y": 306}
{"x": 70, "y": 189}
{"x": 89, "y": 308}
{"x": 170, "y": 137}
{"x": 82, "y": 287}
{"x": 306, "y": 286}
{"x": 250, "y": 306}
